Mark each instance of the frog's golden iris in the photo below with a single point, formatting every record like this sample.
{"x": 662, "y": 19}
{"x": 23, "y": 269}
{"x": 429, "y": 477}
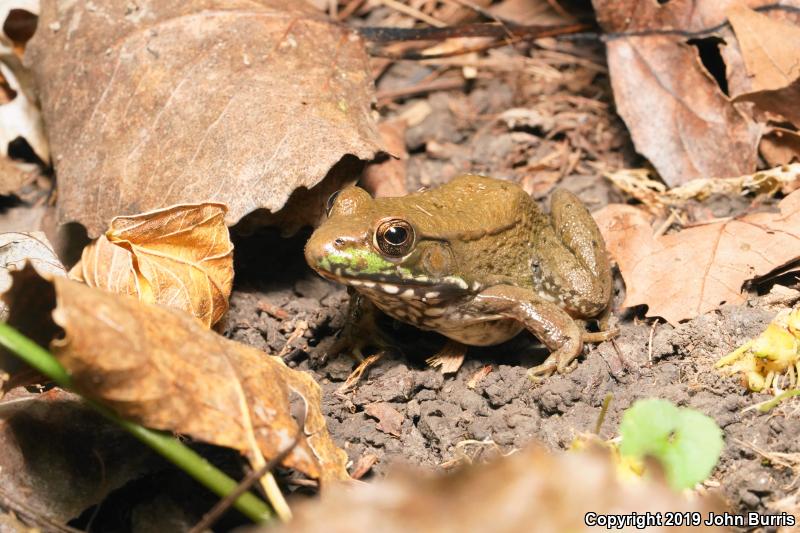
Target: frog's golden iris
{"x": 475, "y": 260}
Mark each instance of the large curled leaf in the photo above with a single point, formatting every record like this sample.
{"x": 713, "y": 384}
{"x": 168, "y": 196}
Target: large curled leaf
{"x": 678, "y": 116}
{"x": 686, "y": 442}
{"x": 162, "y": 368}
{"x": 685, "y": 274}
{"x": 157, "y": 103}
{"x": 181, "y": 256}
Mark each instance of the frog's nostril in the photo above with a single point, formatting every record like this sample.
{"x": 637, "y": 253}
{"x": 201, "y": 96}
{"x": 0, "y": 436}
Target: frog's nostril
{"x": 339, "y": 242}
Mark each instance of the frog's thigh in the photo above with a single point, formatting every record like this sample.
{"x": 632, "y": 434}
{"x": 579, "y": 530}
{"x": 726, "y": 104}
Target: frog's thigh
{"x": 578, "y": 231}
{"x": 551, "y": 324}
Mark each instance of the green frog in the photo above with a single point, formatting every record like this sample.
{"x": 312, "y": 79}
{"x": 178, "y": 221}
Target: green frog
{"x": 475, "y": 260}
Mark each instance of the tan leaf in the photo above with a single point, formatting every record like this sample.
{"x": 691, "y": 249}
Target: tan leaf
{"x": 181, "y": 256}
{"x": 780, "y": 147}
{"x": 769, "y": 47}
{"x": 241, "y": 102}
{"x": 685, "y": 274}
{"x": 17, "y": 249}
{"x": 14, "y": 175}
{"x": 678, "y": 117}
{"x": 160, "y": 367}
{"x": 19, "y": 117}
{"x": 389, "y": 420}
{"x": 388, "y": 177}
{"x": 782, "y": 101}
{"x": 533, "y": 490}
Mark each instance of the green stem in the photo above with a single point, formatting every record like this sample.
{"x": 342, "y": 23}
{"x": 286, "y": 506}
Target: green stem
{"x": 164, "y": 444}
{"x": 766, "y": 406}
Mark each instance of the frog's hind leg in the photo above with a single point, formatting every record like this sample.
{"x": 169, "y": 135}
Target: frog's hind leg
{"x": 589, "y": 293}
{"x": 551, "y": 324}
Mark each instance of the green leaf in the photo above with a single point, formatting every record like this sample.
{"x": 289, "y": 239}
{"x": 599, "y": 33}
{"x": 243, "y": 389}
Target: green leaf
{"x": 686, "y": 442}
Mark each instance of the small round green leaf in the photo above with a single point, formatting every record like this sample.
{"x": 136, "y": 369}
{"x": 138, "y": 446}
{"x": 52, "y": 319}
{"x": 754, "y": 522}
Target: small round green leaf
{"x": 686, "y": 442}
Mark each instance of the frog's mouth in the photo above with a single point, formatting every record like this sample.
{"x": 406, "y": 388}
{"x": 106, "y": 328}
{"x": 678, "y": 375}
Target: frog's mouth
{"x": 401, "y": 286}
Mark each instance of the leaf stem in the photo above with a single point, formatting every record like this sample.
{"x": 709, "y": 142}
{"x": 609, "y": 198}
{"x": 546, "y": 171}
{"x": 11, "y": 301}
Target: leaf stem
{"x": 166, "y": 445}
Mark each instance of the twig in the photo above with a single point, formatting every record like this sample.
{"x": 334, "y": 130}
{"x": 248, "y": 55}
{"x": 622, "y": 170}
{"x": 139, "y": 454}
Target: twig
{"x": 412, "y": 12}
{"x": 603, "y": 411}
{"x": 420, "y": 88}
{"x": 224, "y": 504}
{"x": 165, "y": 444}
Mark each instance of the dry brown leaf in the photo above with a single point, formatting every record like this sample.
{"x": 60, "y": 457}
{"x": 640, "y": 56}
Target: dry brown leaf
{"x": 185, "y": 102}
{"x": 160, "y": 367}
{"x": 19, "y": 117}
{"x": 181, "y": 256}
{"x": 769, "y": 47}
{"x": 17, "y": 249}
{"x": 780, "y": 147}
{"x": 389, "y": 420}
{"x": 782, "y": 101}
{"x": 533, "y": 490}
{"x": 685, "y": 274}
{"x": 58, "y": 482}
{"x": 388, "y": 178}
{"x": 677, "y": 115}
{"x": 14, "y": 176}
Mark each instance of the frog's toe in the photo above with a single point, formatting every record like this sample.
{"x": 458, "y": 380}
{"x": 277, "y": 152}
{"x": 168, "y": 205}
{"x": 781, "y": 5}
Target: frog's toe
{"x": 600, "y": 336}
{"x": 545, "y": 370}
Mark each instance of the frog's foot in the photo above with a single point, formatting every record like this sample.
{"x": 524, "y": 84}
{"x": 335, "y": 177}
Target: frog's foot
{"x": 562, "y": 360}
{"x": 450, "y": 358}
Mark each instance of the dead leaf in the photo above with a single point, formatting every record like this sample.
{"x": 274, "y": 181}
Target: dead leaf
{"x": 19, "y": 117}
{"x": 781, "y": 101}
{"x": 685, "y": 274}
{"x": 187, "y": 102}
{"x": 17, "y": 249}
{"x": 389, "y": 420}
{"x": 769, "y": 47}
{"x": 780, "y": 147}
{"x": 388, "y": 178}
{"x": 181, "y": 256}
{"x": 533, "y": 490}
{"x": 677, "y": 116}
{"x": 14, "y": 176}
{"x": 58, "y": 482}
{"x": 161, "y": 368}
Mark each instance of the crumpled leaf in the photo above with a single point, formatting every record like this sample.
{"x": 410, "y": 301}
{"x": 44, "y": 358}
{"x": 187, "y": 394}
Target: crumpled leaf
{"x": 677, "y": 115}
{"x": 163, "y": 369}
{"x": 181, "y": 256}
{"x": 58, "y": 482}
{"x": 18, "y": 248}
{"x": 241, "y": 102}
{"x": 685, "y": 274}
{"x": 769, "y": 47}
{"x": 533, "y": 490}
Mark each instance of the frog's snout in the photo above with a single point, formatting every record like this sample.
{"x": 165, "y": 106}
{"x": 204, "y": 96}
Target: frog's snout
{"x": 321, "y": 248}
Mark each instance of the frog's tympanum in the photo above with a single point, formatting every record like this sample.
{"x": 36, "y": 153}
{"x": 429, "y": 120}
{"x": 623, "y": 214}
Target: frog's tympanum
{"x": 475, "y": 260}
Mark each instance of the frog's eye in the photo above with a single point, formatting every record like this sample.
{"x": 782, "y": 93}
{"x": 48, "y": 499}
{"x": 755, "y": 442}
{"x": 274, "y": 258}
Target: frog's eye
{"x": 330, "y": 202}
{"x": 394, "y": 237}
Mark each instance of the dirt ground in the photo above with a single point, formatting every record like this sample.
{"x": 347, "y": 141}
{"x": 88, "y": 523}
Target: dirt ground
{"x": 442, "y": 417}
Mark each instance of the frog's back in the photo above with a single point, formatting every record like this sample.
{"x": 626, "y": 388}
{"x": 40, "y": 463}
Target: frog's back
{"x": 470, "y": 206}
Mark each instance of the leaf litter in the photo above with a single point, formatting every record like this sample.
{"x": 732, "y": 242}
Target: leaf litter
{"x": 577, "y": 140}
{"x": 149, "y": 363}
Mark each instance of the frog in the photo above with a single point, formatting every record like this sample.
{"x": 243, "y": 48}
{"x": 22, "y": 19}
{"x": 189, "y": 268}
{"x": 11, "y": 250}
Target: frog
{"x": 475, "y": 260}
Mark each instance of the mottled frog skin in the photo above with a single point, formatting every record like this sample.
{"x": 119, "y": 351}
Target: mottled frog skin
{"x": 475, "y": 260}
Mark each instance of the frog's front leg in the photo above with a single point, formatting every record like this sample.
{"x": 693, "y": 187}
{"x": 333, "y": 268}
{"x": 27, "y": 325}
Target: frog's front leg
{"x": 551, "y": 324}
